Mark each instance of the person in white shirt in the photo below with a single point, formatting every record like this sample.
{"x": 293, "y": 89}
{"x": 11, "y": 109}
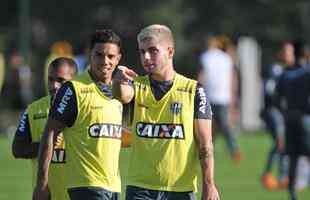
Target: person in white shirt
{"x": 217, "y": 77}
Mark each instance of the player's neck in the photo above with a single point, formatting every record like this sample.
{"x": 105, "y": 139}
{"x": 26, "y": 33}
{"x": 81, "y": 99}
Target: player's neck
{"x": 165, "y": 75}
{"x": 95, "y": 78}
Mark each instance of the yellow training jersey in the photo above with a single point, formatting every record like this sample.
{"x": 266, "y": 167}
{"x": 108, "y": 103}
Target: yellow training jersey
{"x": 93, "y": 142}
{"x": 37, "y": 115}
{"x": 164, "y": 155}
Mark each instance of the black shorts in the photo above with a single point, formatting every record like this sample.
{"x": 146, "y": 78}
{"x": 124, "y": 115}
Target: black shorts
{"x": 92, "y": 193}
{"x": 138, "y": 193}
{"x": 297, "y": 138}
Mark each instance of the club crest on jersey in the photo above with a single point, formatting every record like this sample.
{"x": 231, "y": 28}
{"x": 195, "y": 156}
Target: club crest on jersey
{"x": 175, "y": 108}
{"x": 162, "y": 131}
{"x": 105, "y": 131}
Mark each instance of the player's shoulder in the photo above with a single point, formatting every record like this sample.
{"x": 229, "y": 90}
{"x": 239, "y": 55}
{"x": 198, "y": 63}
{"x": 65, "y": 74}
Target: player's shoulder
{"x": 42, "y": 102}
{"x": 185, "y": 80}
{"x": 82, "y": 79}
{"x": 185, "y": 84}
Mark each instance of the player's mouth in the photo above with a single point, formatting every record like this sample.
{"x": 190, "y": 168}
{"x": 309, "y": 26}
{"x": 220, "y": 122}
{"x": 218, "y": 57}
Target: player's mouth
{"x": 149, "y": 67}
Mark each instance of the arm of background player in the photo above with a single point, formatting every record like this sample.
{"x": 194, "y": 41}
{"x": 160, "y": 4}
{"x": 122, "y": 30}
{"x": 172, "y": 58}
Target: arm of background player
{"x": 122, "y": 88}
{"x": 62, "y": 114}
{"x": 52, "y": 129}
{"x": 203, "y": 135}
{"x": 22, "y": 146}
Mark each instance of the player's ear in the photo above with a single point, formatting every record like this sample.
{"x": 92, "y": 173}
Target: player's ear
{"x": 170, "y": 52}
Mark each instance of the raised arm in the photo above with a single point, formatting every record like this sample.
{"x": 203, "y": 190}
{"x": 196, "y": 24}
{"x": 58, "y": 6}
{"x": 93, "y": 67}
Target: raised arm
{"x": 203, "y": 135}
{"x": 122, "y": 88}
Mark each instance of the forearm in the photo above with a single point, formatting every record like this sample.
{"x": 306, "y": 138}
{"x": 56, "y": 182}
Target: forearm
{"x": 122, "y": 91}
{"x": 207, "y": 163}
{"x": 44, "y": 158}
{"x": 203, "y": 130}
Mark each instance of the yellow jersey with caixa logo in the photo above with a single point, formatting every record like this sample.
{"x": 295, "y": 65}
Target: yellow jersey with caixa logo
{"x": 37, "y": 116}
{"x": 164, "y": 155}
{"x": 93, "y": 142}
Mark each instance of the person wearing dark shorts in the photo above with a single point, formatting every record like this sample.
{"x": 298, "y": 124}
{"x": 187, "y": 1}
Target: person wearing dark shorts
{"x": 293, "y": 99}
{"x": 91, "y": 122}
{"x": 137, "y": 193}
{"x": 172, "y": 138}
{"x": 93, "y": 193}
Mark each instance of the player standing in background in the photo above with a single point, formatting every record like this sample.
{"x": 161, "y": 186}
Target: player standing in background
{"x": 28, "y": 134}
{"x": 274, "y": 120}
{"x": 293, "y": 95}
{"x": 218, "y": 72}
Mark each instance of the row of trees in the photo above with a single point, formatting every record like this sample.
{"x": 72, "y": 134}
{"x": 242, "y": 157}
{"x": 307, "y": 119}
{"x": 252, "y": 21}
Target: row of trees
{"x": 269, "y": 21}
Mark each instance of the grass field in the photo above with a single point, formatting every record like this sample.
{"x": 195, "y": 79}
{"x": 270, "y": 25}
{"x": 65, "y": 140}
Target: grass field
{"x": 235, "y": 182}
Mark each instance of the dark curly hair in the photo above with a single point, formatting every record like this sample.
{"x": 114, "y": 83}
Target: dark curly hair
{"x": 105, "y": 36}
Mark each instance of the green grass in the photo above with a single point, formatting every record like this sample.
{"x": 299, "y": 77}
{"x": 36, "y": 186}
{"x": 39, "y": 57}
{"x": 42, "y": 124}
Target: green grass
{"x": 235, "y": 182}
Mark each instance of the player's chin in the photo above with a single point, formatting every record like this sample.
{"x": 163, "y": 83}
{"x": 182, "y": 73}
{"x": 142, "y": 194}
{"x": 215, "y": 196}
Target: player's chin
{"x": 149, "y": 69}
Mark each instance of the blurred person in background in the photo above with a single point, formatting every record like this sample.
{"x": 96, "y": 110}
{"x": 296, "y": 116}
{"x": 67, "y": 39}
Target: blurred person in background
{"x": 234, "y": 108}
{"x": 292, "y": 98}
{"x": 18, "y": 85}
{"x": 2, "y": 71}
{"x": 28, "y": 134}
{"x": 58, "y": 49}
{"x": 274, "y": 120}
{"x": 217, "y": 76}
{"x": 81, "y": 58}
{"x": 302, "y": 53}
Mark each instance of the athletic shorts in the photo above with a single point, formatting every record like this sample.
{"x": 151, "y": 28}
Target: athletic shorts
{"x": 138, "y": 193}
{"x": 297, "y": 140}
{"x": 92, "y": 193}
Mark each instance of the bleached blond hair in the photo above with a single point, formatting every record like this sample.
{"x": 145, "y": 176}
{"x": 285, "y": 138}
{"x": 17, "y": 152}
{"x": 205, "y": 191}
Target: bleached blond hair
{"x": 158, "y": 32}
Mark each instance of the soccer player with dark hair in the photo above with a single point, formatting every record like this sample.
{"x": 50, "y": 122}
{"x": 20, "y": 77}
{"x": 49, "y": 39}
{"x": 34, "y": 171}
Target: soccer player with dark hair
{"x": 274, "y": 120}
{"x": 91, "y": 122}
{"x": 171, "y": 125}
{"x": 293, "y": 99}
{"x": 27, "y": 137}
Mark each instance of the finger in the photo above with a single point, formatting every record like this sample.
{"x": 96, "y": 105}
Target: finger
{"x": 127, "y": 77}
{"x": 121, "y": 67}
{"x": 131, "y": 73}
{"x": 127, "y": 71}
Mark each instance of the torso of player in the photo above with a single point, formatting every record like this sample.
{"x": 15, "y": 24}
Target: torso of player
{"x": 93, "y": 142}
{"x": 163, "y": 155}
